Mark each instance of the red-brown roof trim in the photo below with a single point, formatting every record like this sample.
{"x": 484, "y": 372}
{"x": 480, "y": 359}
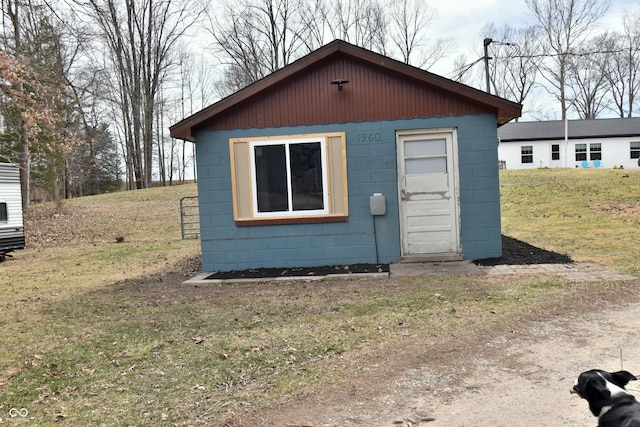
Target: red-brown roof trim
{"x": 506, "y": 110}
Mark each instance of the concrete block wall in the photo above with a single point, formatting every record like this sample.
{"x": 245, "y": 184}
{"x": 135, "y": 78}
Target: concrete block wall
{"x": 371, "y": 168}
{"x": 481, "y": 231}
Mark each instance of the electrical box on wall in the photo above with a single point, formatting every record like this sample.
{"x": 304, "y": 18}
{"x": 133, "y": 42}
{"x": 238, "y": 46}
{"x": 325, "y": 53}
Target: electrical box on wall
{"x": 378, "y": 204}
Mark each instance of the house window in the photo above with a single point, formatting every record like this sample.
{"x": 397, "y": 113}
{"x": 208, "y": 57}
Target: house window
{"x": 526, "y": 152}
{"x": 635, "y": 149}
{"x": 555, "y": 151}
{"x": 581, "y": 152}
{"x": 595, "y": 151}
{"x": 4, "y": 217}
{"x": 289, "y": 179}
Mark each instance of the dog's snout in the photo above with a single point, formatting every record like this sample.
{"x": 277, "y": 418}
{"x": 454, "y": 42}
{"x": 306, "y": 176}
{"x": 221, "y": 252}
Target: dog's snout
{"x": 575, "y": 389}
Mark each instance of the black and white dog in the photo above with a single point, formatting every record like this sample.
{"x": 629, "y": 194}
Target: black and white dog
{"x": 607, "y": 397}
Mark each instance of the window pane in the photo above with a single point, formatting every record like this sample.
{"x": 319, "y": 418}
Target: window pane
{"x": 425, "y": 156}
{"x": 526, "y": 152}
{"x": 306, "y": 176}
{"x": 3, "y": 212}
{"x": 271, "y": 178}
{"x": 428, "y": 165}
{"x": 581, "y": 152}
{"x": 429, "y": 147}
{"x": 595, "y": 151}
{"x": 635, "y": 149}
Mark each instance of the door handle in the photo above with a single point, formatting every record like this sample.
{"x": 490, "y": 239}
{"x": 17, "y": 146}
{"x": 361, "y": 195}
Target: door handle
{"x": 403, "y": 194}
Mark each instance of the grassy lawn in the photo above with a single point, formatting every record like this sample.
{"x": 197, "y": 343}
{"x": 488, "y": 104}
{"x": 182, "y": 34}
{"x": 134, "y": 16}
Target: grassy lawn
{"x": 95, "y": 332}
{"x": 591, "y": 215}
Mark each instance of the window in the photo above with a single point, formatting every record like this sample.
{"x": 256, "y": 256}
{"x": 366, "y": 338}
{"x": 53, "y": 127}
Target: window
{"x": 581, "y": 152}
{"x": 3, "y": 212}
{"x": 634, "y": 149}
{"x": 425, "y": 156}
{"x": 289, "y": 179}
{"x": 526, "y": 152}
{"x": 595, "y": 151}
{"x": 555, "y": 151}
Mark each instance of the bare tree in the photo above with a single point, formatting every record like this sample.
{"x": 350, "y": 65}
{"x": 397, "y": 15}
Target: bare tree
{"x": 256, "y": 37}
{"x": 45, "y": 118}
{"x": 11, "y": 10}
{"x": 313, "y": 15}
{"x": 621, "y": 65}
{"x": 563, "y": 25}
{"x": 632, "y": 41}
{"x": 587, "y": 84}
{"x": 513, "y": 61}
{"x": 196, "y": 82}
{"x": 142, "y": 37}
{"x": 360, "y": 22}
{"x": 408, "y": 25}
{"x": 463, "y": 70}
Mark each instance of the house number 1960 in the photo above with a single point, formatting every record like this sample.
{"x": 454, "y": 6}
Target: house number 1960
{"x": 369, "y": 137}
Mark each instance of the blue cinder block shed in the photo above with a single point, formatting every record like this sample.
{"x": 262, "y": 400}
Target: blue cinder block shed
{"x": 346, "y": 156}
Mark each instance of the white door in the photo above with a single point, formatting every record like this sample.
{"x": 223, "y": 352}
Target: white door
{"x": 427, "y": 171}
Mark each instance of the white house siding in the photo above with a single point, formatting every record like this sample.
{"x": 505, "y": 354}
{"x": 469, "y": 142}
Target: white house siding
{"x": 615, "y": 153}
{"x": 615, "y": 136}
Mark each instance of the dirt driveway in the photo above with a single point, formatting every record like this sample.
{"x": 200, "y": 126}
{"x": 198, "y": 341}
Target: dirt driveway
{"x": 520, "y": 376}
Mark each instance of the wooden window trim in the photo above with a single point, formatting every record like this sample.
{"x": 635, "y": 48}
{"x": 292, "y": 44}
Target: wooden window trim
{"x": 291, "y": 220}
{"x": 243, "y": 187}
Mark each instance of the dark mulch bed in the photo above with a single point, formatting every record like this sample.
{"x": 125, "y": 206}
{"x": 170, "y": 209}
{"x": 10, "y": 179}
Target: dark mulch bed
{"x": 514, "y": 252}
{"x": 517, "y": 252}
{"x": 260, "y": 273}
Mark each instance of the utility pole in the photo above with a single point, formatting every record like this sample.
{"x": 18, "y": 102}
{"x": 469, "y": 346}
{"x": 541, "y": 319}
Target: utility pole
{"x": 487, "y": 42}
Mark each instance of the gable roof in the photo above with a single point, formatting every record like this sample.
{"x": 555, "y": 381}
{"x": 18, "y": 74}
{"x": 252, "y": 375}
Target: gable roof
{"x": 375, "y": 72}
{"x": 576, "y": 129}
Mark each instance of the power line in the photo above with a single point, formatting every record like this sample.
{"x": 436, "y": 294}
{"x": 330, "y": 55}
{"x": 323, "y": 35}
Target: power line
{"x": 466, "y": 68}
{"x": 462, "y": 70}
{"x": 550, "y": 55}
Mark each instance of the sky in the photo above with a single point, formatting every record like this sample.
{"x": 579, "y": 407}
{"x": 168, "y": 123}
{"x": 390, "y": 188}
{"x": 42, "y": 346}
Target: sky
{"x": 464, "y": 19}
{"x": 463, "y": 22}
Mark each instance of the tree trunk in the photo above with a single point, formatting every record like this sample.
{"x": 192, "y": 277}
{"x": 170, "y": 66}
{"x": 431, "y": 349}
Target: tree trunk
{"x": 25, "y": 156}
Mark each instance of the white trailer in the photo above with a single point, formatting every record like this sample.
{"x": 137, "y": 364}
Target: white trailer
{"x": 11, "y": 224}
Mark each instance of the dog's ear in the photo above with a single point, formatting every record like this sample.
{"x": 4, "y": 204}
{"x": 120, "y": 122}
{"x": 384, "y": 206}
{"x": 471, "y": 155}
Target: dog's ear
{"x": 594, "y": 391}
{"x": 621, "y": 378}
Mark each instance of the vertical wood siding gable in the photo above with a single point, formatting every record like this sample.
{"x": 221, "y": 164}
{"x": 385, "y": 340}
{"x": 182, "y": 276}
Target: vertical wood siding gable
{"x": 372, "y": 94}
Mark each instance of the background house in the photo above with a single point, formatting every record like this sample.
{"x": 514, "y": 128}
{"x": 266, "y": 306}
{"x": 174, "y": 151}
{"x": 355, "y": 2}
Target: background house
{"x": 346, "y": 156}
{"x": 589, "y": 143}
